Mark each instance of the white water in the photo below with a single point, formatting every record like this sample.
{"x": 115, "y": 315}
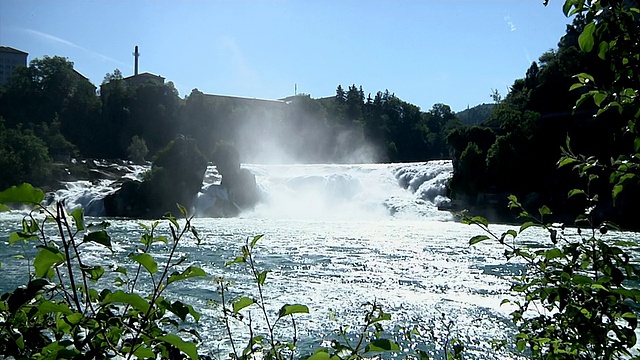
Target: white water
{"x": 336, "y": 236}
{"x": 362, "y": 191}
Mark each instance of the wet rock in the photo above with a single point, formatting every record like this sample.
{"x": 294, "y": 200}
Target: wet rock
{"x": 175, "y": 178}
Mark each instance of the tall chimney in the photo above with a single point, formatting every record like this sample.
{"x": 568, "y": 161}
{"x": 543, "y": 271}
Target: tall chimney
{"x": 136, "y": 54}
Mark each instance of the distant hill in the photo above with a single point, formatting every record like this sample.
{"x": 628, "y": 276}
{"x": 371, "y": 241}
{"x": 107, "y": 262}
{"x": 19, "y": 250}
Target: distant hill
{"x": 476, "y": 114}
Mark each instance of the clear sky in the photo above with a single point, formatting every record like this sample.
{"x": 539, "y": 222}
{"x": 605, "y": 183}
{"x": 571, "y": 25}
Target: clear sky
{"x": 425, "y": 51}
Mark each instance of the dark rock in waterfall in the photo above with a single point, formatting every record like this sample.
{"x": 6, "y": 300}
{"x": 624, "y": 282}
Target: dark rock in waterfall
{"x": 175, "y": 178}
{"x": 239, "y": 183}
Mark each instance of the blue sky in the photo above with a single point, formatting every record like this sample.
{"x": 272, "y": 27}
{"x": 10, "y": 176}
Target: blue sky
{"x": 426, "y": 52}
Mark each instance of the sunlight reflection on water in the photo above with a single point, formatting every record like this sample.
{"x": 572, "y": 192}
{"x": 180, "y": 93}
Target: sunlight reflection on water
{"x": 417, "y": 270}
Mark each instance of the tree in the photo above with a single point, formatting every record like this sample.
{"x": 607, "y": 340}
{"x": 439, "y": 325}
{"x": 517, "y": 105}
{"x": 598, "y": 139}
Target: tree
{"x": 137, "y": 150}
{"x": 340, "y": 94}
{"x": 51, "y": 90}
{"x": 495, "y": 96}
{"x": 23, "y": 157}
{"x": 115, "y": 76}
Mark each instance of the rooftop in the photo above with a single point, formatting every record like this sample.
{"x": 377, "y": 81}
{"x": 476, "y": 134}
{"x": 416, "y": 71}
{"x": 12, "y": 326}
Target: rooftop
{"x": 6, "y": 49}
{"x": 245, "y": 98}
{"x": 144, "y": 74}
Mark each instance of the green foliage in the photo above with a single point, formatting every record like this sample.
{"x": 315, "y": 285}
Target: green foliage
{"x": 476, "y": 115}
{"x": 66, "y": 310}
{"x": 23, "y": 157}
{"x": 137, "y": 150}
{"x": 578, "y": 298}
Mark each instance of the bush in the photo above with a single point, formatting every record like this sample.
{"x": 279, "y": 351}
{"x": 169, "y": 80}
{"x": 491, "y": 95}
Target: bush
{"x": 67, "y": 311}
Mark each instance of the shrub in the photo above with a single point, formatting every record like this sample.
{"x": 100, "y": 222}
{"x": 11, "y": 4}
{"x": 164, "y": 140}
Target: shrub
{"x": 66, "y": 310}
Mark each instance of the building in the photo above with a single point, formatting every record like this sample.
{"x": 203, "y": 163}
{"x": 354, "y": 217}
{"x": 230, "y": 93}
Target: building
{"x": 142, "y": 79}
{"x": 10, "y": 59}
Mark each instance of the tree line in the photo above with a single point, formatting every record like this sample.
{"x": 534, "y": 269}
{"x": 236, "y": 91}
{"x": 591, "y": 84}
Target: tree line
{"x": 50, "y": 113}
{"x": 516, "y": 150}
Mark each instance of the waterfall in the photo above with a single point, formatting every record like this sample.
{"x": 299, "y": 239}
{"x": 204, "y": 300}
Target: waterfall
{"x": 309, "y": 191}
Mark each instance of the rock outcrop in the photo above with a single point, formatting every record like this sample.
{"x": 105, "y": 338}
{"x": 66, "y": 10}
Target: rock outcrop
{"x": 237, "y": 190}
{"x": 175, "y": 178}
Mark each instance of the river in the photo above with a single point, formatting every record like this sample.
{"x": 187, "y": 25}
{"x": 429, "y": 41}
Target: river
{"x": 335, "y": 237}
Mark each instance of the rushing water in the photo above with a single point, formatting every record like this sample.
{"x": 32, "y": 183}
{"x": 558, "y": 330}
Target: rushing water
{"x": 336, "y": 237}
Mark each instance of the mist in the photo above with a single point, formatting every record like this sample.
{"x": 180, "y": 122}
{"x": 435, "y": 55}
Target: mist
{"x": 299, "y": 131}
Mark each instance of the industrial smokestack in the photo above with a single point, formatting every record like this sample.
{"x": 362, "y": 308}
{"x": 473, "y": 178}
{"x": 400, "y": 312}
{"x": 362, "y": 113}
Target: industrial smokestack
{"x": 136, "y": 54}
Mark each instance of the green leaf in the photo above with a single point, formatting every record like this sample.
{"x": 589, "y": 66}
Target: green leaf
{"x": 512, "y": 233}
{"x": 293, "y": 309}
{"x": 526, "y": 225}
{"x": 321, "y": 354}
{"x": 553, "y": 253}
{"x": 382, "y": 345}
{"x": 582, "y": 99}
{"x": 94, "y": 272}
{"x": 617, "y": 189}
{"x": 21, "y": 236}
{"x": 581, "y": 280}
{"x": 182, "y": 209}
{"x": 604, "y": 49}
{"x": 187, "y": 347}
{"x": 143, "y": 352}
{"x": 4, "y": 207}
{"x": 147, "y": 261}
{"x": 46, "y": 258}
{"x": 584, "y": 78}
{"x": 181, "y": 310}
{"x": 566, "y": 161}
{"x": 629, "y": 315}
{"x": 599, "y": 97}
{"x": 47, "y": 307}
{"x": 478, "y": 238}
{"x": 162, "y": 239}
{"x": 99, "y": 237}
{"x": 22, "y": 295}
{"x": 262, "y": 277}
{"x": 74, "y": 318}
{"x": 191, "y": 271}
{"x": 134, "y": 300}
{"x": 599, "y": 287}
{"x": 544, "y": 210}
{"x": 576, "y": 86}
{"x": 24, "y": 193}
{"x": 255, "y": 240}
{"x": 585, "y": 40}
{"x": 574, "y": 192}
{"x": 237, "y": 260}
{"x": 476, "y": 220}
{"x": 78, "y": 218}
{"x": 242, "y": 303}
{"x": 172, "y": 220}
{"x": 567, "y": 7}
